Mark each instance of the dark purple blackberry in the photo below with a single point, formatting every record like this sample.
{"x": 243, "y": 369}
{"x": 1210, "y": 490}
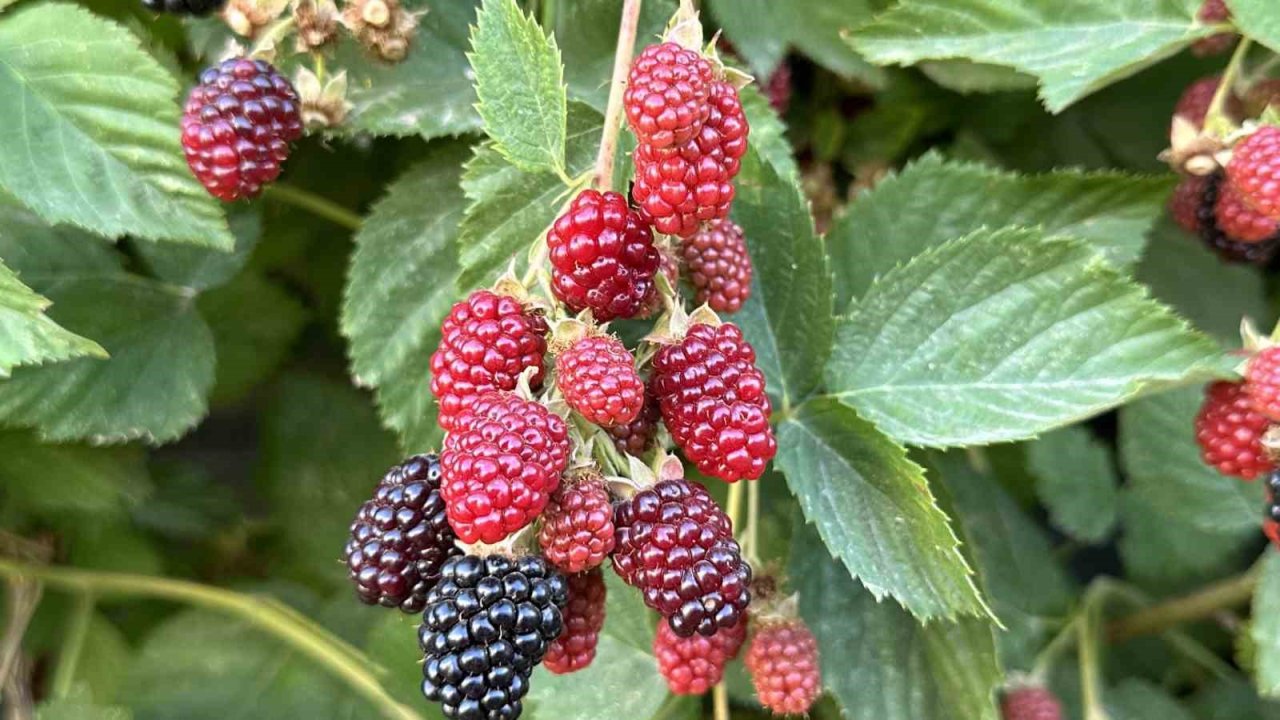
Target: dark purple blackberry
{"x": 401, "y": 537}
{"x": 488, "y": 623}
{"x": 1259, "y": 253}
{"x": 676, "y": 545}
{"x": 196, "y": 8}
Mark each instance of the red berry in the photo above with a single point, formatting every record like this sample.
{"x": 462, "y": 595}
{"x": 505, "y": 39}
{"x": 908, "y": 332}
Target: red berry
{"x": 502, "y": 461}
{"x": 719, "y": 266}
{"x": 1262, "y": 382}
{"x": 1194, "y": 102}
{"x": 778, "y": 87}
{"x": 1239, "y": 221}
{"x": 583, "y": 619}
{"x": 681, "y": 187}
{"x": 401, "y": 537}
{"x": 676, "y": 545}
{"x": 783, "y": 663}
{"x": 486, "y": 342}
{"x": 636, "y": 437}
{"x": 693, "y": 665}
{"x": 1230, "y": 432}
{"x": 1184, "y": 203}
{"x": 577, "y": 527}
{"x": 713, "y": 402}
{"x": 237, "y": 126}
{"x": 1030, "y": 703}
{"x": 1213, "y": 12}
{"x": 1218, "y": 240}
{"x": 666, "y": 95}
{"x": 1254, "y": 171}
{"x": 602, "y": 256}
{"x": 598, "y": 378}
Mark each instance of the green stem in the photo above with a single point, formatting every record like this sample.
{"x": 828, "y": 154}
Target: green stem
{"x": 733, "y": 507}
{"x": 1198, "y": 605}
{"x": 753, "y": 520}
{"x": 613, "y": 110}
{"x": 340, "y": 659}
{"x": 1216, "y": 120}
{"x": 73, "y": 645}
{"x": 1090, "y": 675}
{"x": 1049, "y": 655}
{"x": 314, "y": 204}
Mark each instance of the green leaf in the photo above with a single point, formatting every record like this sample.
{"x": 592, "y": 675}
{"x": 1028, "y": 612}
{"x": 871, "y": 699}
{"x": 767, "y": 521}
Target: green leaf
{"x": 587, "y": 33}
{"x": 198, "y": 268}
{"x": 27, "y": 335}
{"x": 934, "y": 200}
{"x": 1258, "y": 20}
{"x": 509, "y": 209}
{"x": 314, "y": 494}
{"x": 1073, "y": 50}
{"x": 768, "y": 134}
{"x": 254, "y": 324}
{"x": 400, "y": 287}
{"x": 79, "y": 706}
{"x": 789, "y": 319}
{"x": 1212, "y": 294}
{"x": 1265, "y": 628}
{"x": 91, "y": 483}
{"x": 1002, "y": 335}
{"x": 867, "y": 648}
{"x": 99, "y": 150}
{"x": 520, "y": 83}
{"x": 428, "y": 94}
{"x": 1166, "y": 554}
{"x": 1076, "y": 481}
{"x": 1233, "y": 698}
{"x": 1162, "y": 462}
{"x": 1136, "y": 699}
{"x": 762, "y": 31}
{"x": 966, "y": 77}
{"x": 860, "y": 490}
{"x": 622, "y": 681}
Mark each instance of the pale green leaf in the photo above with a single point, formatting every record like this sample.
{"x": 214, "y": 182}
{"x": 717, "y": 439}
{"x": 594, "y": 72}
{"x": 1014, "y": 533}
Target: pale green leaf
{"x": 1076, "y": 480}
{"x": 79, "y": 706}
{"x": 520, "y": 83}
{"x": 89, "y": 130}
{"x": 966, "y": 77}
{"x": 768, "y": 134}
{"x": 400, "y": 286}
{"x": 860, "y": 491}
{"x": 97, "y": 483}
{"x": 201, "y": 269}
{"x": 1002, "y": 335}
{"x": 1074, "y": 48}
{"x": 27, "y": 335}
{"x": 1166, "y": 554}
{"x": 1258, "y": 20}
{"x": 879, "y": 661}
{"x": 587, "y": 33}
{"x": 1265, "y": 628}
{"x": 1162, "y": 463}
{"x": 509, "y": 210}
{"x": 762, "y": 31}
{"x": 788, "y": 319}
{"x": 934, "y": 200}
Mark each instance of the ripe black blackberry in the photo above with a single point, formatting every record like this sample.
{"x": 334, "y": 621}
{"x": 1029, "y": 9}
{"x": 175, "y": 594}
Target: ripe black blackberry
{"x": 197, "y": 8}
{"x": 1228, "y": 249}
{"x": 401, "y": 537}
{"x": 1271, "y": 520}
{"x": 488, "y": 623}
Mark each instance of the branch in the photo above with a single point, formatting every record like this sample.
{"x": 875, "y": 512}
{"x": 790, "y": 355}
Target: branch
{"x": 1199, "y": 605}
{"x": 314, "y": 204}
{"x": 603, "y": 176}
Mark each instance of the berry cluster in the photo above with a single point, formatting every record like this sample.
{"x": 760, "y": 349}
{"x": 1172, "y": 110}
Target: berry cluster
{"x": 539, "y": 402}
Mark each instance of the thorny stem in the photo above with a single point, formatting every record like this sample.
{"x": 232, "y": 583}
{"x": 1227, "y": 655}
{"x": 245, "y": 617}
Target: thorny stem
{"x": 613, "y": 111}
{"x": 342, "y": 660}
{"x": 1216, "y": 119}
{"x": 315, "y": 204}
{"x": 1198, "y": 605}
{"x": 77, "y": 631}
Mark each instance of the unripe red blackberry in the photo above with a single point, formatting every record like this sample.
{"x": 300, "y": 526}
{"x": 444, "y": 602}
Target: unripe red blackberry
{"x": 598, "y": 378}
{"x": 1240, "y": 222}
{"x": 676, "y": 545}
{"x": 713, "y": 402}
{"x": 1230, "y": 432}
{"x": 237, "y": 126}
{"x": 693, "y": 665}
{"x": 401, "y": 537}
{"x": 577, "y": 527}
{"x": 486, "y": 342}
{"x": 778, "y": 87}
{"x": 602, "y": 256}
{"x": 1030, "y": 702}
{"x": 636, "y": 437}
{"x": 1213, "y": 12}
{"x": 583, "y": 620}
{"x": 1254, "y": 171}
{"x": 1262, "y": 382}
{"x": 1218, "y": 241}
{"x": 666, "y": 95}
{"x": 501, "y": 462}
{"x": 681, "y": 187}
{"x": 719, "y": 266}
{"x": 488, "y": 623}
{"x": 783, "y": 664}
{"x": 1184, "y": 203}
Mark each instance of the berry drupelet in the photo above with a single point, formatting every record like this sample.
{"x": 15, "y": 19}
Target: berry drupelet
{"x": 783, "y": 664}
{"x": 636, "y": 437}
{"x": 693, "y": 665}
{"x": 666, "y": 96}
{"x": 718, "y": 265}
{"x": 577, "y": 527}
{"x": 583, "y": 620}
{"x": 1227, "y": 247}
{"x": 1229, "y": 432}
{"x": 598, "y": 378}
{"x": 401, "y": 537}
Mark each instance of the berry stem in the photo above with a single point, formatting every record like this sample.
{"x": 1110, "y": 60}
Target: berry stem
{"x": 1199, "y": 605}
{"x": 316, "y": 205}
{"x": 21, "y": 598}
{"x": 332, "y": 653}
{"x": 734, "y": 504}
{"x": 1087, "y": 626}
{"x": 720, "y": 699}
{"x": 753, "y": 521}
{"x": 1216, "y": 120}
{"x": 73, "y": 639}
{"x": 613, "y": 111}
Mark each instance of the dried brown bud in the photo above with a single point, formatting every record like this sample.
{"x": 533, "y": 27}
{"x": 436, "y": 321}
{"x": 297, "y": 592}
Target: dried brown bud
{"x": 382, "y": 26}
